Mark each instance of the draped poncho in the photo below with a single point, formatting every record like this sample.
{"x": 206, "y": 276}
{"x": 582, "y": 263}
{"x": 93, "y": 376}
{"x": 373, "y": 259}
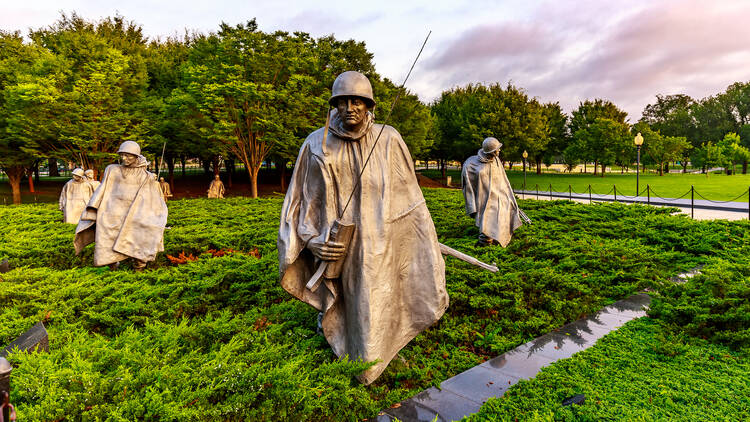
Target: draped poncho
{"x": 487, "y": 192}
{"x": 393, "y": 283}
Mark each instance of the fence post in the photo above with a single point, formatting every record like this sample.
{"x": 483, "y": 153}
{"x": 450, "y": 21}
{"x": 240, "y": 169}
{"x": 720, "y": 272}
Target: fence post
{"x": 537, "y": 191}
{"x": 614, "y": 188}
{"x": 589, "y": 193}
{"x": 692, "y": 201}
{"x": 748, "y": 203}
{"x": 648, "y": 192}
{"x": 550, "y": 191}
{"x": 570, "y": 193}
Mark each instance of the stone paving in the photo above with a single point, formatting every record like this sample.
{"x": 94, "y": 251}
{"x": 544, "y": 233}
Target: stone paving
{"x": 465, "y": 393}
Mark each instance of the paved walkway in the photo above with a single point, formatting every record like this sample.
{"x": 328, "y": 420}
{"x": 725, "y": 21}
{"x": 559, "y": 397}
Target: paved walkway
{"x": 702, "y": 209}
{"x": 465, "y": 393}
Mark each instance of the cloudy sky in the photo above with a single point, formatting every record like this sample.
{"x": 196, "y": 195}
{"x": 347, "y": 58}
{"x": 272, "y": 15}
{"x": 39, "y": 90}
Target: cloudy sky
{"x": 565, "y": 51}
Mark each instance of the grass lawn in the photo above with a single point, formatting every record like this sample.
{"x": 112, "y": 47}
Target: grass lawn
{"x": 717, "y": 187}
{"x": 638, "y": 373}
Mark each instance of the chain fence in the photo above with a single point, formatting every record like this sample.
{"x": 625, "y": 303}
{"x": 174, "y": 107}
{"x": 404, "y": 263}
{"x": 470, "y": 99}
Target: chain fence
{"x": 740, "y": 203}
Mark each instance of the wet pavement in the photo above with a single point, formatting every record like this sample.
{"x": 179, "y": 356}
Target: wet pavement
{"x": 465, "y": 393}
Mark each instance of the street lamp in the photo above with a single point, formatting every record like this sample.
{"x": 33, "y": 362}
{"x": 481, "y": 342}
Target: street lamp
{"x": 638, "y": 142}
{"x": 525, "y": 156}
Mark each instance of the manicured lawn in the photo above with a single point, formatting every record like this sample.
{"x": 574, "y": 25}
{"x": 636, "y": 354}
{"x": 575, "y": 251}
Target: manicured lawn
{"x": 638, "y": 373}
{"x": 718, "y": 187}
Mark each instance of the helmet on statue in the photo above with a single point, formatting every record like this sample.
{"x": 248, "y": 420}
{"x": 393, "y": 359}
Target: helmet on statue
{"x": 352, "y": 84}
{"x": 78, "y": 172}
{"x": 129, "y": 147}
{"x": 490, "y": 145}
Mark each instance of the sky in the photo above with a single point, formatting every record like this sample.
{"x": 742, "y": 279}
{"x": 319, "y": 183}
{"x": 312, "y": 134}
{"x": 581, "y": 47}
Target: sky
{"x": 558, "y": 51}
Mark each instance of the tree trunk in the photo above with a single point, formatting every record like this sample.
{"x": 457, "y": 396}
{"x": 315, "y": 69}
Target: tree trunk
{"x": 253, "y": 173}
{"x": 684, "y": 166}
{"x": 182, "y": 163}
{"x": 442, "y": 164}
{"x": 30, "y": 174}
{"x": 603, "y": 168}
{"x": 539, "y": 165}
{"x": 36, "y": 171}
{"x": 52, "y": 163}
{"x": 206, "y": 167}
{"x": 596, "y": 164}
{"x": 281, "y": 169}
{"x": 666, "y": 168}
{"x": 744, "y": 167}
{"x": 229, "y": 167}
{"x": 14, "y": 178}
{"x": 170, "y": 168}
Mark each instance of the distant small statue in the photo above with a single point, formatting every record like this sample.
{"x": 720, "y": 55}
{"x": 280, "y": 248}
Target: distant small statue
{"x": 126, "y": 215}
{"x": 166, "y": 191}
{"x": 216, "y": 190}
{"x": 92, "y": 181}
{"x": 489, "y": 196}
{"x": 74, "y": 197}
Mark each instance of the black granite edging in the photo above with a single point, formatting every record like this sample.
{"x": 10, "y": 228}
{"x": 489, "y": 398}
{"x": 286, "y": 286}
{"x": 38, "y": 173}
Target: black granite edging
{"x": 465, "y": 393}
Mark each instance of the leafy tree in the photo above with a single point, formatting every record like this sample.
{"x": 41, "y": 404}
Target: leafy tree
{"x": 732, "y": 151}
{"x": 599, "y": 130}
{"x": 27, "y": 93}
{"x": 707, "y": 156}
{"x": 671, "y": 116}
{"x": 102, "y": 93}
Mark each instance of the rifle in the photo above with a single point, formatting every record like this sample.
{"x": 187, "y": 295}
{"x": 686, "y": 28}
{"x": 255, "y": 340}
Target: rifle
{"x": 342, "y": 233}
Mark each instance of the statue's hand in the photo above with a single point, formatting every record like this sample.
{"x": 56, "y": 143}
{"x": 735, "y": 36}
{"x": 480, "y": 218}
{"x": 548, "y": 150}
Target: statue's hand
{"x": 326, "y": 251}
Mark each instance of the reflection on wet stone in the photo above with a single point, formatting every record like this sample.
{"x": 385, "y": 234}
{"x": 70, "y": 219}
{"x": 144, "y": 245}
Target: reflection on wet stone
{"x": 464, "y": 394}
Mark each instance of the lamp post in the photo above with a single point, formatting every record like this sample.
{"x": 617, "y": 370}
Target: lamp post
{"x": 638, "y": 142}
{"x": 525, "y": 156}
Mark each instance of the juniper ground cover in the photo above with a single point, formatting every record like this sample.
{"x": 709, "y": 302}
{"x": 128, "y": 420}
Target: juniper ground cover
{"x": 210, "y": 333}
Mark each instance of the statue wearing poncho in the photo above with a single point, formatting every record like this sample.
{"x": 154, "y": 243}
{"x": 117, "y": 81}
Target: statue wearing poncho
{"x": 74, "y": 197}
{"x": 489, "y": 196}
{"x": 126, "y": 215}
{"x": 392, "y": 286}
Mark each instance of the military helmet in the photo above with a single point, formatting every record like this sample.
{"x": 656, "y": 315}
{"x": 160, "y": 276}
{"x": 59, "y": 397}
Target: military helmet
{"x": 78, "y": 172}
{"x": 352, "y": 84}
{"x": 490, "y": 145}
{"x": 89, "y": 173}
{"x": 129, "y": 147}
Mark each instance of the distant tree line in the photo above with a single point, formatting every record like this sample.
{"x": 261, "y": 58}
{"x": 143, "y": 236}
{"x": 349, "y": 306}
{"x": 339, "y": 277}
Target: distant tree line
{"x": 75, "y": 90}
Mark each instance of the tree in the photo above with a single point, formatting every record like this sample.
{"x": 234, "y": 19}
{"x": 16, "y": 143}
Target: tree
{"x": 671, "y": 116}
{"x": 707, "y": 156}
{"x": 732, "y": 151}
{"x": 598, "y": 129}
{"x": 102, "y": 92}
{"x": 27, "y": 92}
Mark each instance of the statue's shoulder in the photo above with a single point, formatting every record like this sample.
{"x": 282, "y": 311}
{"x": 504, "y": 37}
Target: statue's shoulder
{"x": 472, "y": 161}
{"x": 314, "y": 141}
{"x": 389, "y": 132}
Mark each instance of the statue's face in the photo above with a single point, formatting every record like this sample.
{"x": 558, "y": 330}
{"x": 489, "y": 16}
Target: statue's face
{"x": 127, "y": 159}
{"x": 494, "y": 153}
{"x": 161, "y": 179}
{"x": 77, "y": 178}
{"x": 216, "y": 177}
{"x": 352, "y": 111}
{"x": 90, "y": 174}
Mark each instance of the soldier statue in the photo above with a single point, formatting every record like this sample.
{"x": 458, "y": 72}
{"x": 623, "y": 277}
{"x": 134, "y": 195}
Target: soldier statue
{"x": 92, "y": 181}
{"x": 126, "y": 215}
{"x": 391, "y": 284}
{"x": 74, "y": 197}
{"x": 166, "y": 191}
{"x": 216, "y": 189}
{"x": 489, "y": 196}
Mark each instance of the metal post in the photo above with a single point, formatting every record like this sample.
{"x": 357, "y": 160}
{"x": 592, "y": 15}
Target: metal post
{"x": 537, "y": 191}
{"x": 524, "y": 173}
{"x": 614, "y": 188}
{"x": 550, "y": 191}
{"x": 748, "y": 203}
{"x": 589, "y": 194}
{"x": 648, "y": 192}
{"x": 637, "y": 172}
{"x": 692, "y": 201}
{"x": 570, "y": 193}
